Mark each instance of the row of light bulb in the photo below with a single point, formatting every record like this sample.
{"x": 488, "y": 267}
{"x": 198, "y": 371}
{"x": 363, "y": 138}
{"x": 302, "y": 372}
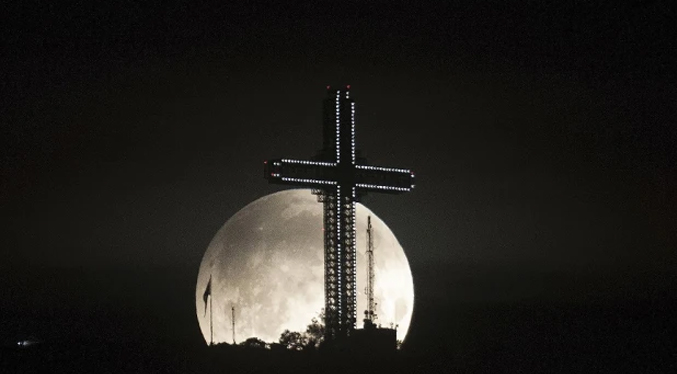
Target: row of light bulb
{"x": 320, "y": 181}
{"x": 331, "y": 164}
{"x": 381, "y": 168}
{"x": 303, "y": 162}
{"x": 338, "y": 247}
{"x": 301, "y": 180}
{"x": 390, "y": 188}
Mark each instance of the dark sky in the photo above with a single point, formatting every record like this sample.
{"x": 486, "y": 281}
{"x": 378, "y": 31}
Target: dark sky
{"x": 542, "y": 136}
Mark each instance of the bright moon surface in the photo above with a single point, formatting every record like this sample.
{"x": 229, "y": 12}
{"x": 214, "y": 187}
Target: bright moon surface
{"x": 267, "y": 263}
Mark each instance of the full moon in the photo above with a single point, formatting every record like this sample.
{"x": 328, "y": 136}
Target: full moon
{"x": 266, "y": 264}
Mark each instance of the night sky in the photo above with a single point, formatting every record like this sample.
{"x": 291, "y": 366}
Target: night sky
{"x": 542, "y": 135}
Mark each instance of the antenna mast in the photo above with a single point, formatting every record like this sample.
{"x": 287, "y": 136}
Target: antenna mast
{"x": 370, "y": 313}
{"x": 232, "y": 317}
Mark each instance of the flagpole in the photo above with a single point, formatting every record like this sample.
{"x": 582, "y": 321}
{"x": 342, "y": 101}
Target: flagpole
{"x": 211, "y": 321}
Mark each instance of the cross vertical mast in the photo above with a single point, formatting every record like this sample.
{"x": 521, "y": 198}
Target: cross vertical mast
{"x": 339, "y": 208}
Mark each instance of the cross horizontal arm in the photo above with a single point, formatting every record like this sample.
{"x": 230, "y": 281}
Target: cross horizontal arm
{"x": 383, "y": 179}
{"x": 300, "y": 173}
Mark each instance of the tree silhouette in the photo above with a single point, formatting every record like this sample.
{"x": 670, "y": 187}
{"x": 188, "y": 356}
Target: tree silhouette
{"x": 293, "y": 340}
{"x": 314, "y": 333}
{"x": 310, "y": 339}
{"x": 253, "y": 342}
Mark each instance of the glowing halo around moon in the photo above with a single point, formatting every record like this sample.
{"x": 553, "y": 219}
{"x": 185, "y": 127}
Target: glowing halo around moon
{"x": 267, "y": 262}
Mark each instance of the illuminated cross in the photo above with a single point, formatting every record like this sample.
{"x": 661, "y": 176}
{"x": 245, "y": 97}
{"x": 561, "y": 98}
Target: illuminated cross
{"x": 339, "y": 177}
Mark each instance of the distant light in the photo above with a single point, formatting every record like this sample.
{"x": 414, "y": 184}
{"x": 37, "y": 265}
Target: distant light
{"x": 348, "y": 86}
{"x": 265, "y": 161}
{"x": 328, "y": 87}
{"x": 26, "y": 343}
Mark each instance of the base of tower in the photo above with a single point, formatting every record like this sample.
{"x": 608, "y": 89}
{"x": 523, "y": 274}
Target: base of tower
{"x": 368, "y": 341}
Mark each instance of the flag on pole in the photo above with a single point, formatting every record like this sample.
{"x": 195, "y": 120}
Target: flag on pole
{"x": 207, "y": 293}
